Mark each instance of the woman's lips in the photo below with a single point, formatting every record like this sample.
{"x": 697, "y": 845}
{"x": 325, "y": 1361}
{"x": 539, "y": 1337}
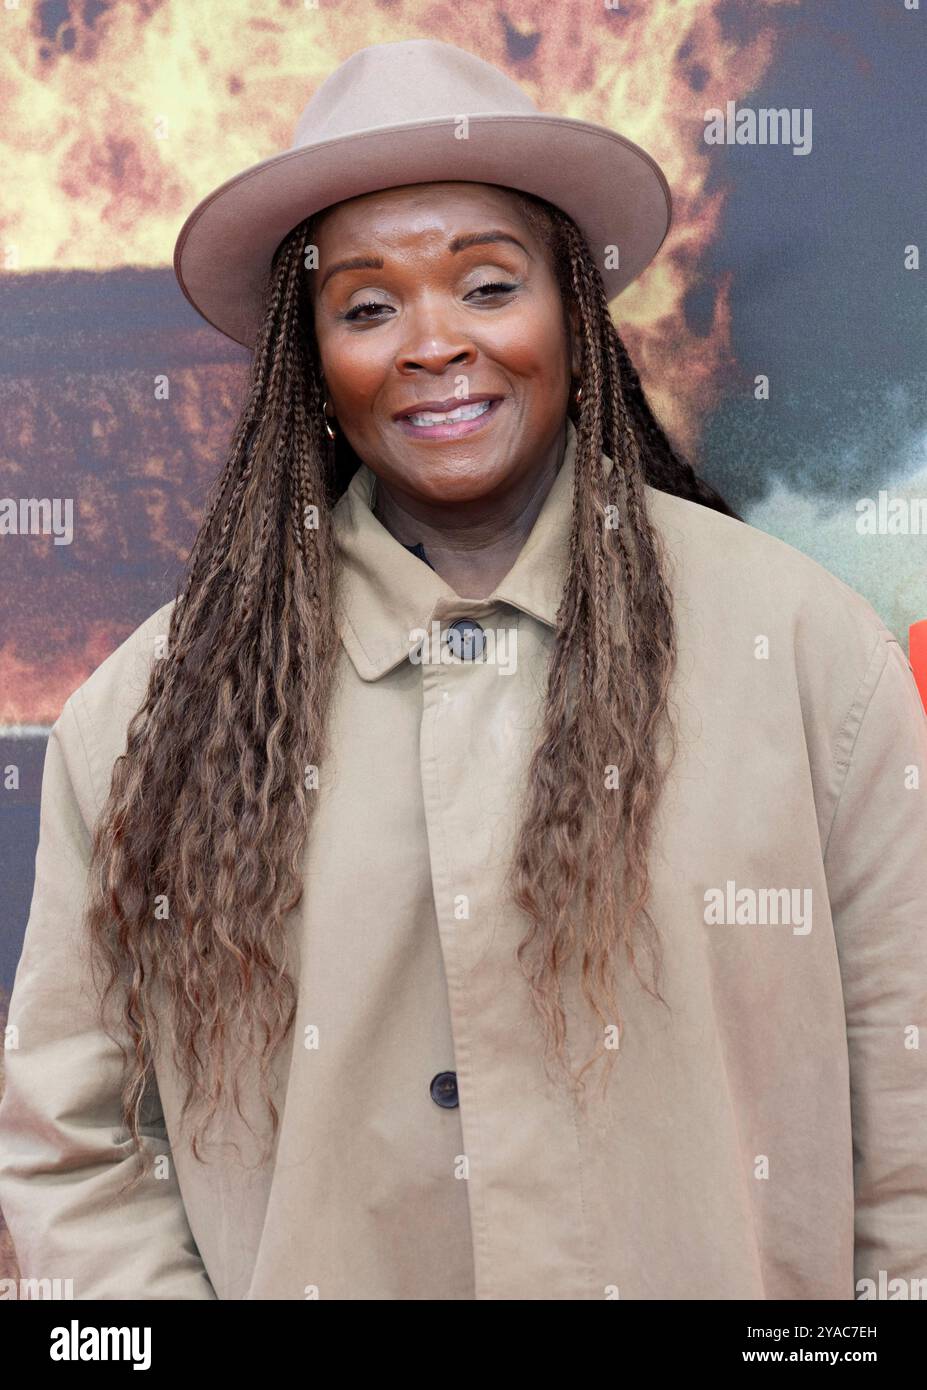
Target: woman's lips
{"x": 454, "y": 429}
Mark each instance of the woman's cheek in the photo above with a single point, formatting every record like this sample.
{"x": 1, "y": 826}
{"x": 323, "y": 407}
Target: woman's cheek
{"x": 354, "y": 372}
{"x": 532, "y": 345}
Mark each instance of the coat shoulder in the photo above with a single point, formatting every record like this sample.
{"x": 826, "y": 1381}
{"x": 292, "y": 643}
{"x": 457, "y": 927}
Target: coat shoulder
{"x": 122, "y": 677}
{"x": 754, "y": 571}
{"x": 99, "y": 711}
{"x": 734, "y": 585}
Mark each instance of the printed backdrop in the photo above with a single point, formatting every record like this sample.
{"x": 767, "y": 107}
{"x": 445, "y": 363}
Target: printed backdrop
{"x": 780, "y": 331}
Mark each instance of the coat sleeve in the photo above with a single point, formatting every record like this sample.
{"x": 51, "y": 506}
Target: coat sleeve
{"x": 876, "y": 863}
{"x": 63, "y": 1148}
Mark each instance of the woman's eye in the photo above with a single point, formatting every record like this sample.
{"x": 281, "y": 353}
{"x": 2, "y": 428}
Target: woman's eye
{"x": 491, "y": 287}
{"x": 356, "y": 311}
{"x": 496, "y": 286}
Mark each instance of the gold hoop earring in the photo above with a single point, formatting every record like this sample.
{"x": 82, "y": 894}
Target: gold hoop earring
{"x": 577, "y": 396}
{"x": 328, "y": 429}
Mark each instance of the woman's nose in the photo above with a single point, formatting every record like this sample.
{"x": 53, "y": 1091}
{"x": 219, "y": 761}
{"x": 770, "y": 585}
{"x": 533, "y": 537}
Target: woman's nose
{"x": 436, "y": 357}
{"x": 433, "y": 340}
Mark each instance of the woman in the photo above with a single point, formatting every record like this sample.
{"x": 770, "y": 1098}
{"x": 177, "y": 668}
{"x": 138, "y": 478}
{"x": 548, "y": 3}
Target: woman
{"x": 481, "y": 757}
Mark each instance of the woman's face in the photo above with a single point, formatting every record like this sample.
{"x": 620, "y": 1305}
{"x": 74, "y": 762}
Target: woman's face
{"x": 429, "y": 319}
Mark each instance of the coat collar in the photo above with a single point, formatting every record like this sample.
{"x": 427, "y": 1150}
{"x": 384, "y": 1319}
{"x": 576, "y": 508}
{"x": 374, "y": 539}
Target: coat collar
{"x": 386, "y": 592}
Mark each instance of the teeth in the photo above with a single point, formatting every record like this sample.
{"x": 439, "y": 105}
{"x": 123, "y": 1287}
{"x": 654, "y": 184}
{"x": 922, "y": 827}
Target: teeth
{"x": 463, "y": 412}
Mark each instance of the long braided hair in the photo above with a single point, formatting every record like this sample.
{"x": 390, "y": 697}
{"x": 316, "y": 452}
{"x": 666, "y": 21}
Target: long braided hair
{"x": 197, "y": 854}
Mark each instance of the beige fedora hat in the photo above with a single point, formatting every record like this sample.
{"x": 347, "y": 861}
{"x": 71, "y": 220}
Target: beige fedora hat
{"x": 419, "y": 111}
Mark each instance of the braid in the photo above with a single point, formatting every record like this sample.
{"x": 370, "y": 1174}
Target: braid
{"x": 606, "y": 707}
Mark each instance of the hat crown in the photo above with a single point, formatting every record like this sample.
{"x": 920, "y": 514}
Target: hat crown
{"x": 392, "y": 115}
{"x": 414, "y": 80}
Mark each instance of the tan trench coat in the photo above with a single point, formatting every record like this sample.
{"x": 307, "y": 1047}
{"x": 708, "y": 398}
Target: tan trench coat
{"x": 721, "y": 1163}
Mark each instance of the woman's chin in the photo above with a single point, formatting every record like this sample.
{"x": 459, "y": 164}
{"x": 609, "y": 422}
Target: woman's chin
{"x": 447, "y": 484}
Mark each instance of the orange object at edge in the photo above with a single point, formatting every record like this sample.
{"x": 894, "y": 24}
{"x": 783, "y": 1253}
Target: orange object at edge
{"x": 917, "y": 655}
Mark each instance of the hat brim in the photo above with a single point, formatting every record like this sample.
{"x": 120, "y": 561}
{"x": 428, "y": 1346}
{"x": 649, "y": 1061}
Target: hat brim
{"x": 613, "y": 190}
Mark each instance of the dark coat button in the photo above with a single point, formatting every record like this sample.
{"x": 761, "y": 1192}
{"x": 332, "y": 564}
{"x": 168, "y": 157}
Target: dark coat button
{"x": 466, "y": 639}
{"x": 444, "y": 1090}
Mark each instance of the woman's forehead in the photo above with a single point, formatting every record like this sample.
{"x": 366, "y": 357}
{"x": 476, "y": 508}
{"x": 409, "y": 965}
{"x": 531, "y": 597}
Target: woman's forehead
{"x": 418, "y": 201}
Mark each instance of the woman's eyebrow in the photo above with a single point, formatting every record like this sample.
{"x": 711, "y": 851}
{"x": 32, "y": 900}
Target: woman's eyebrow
{"x": 457, "y": 243}
{"x": 461, "y": 243}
